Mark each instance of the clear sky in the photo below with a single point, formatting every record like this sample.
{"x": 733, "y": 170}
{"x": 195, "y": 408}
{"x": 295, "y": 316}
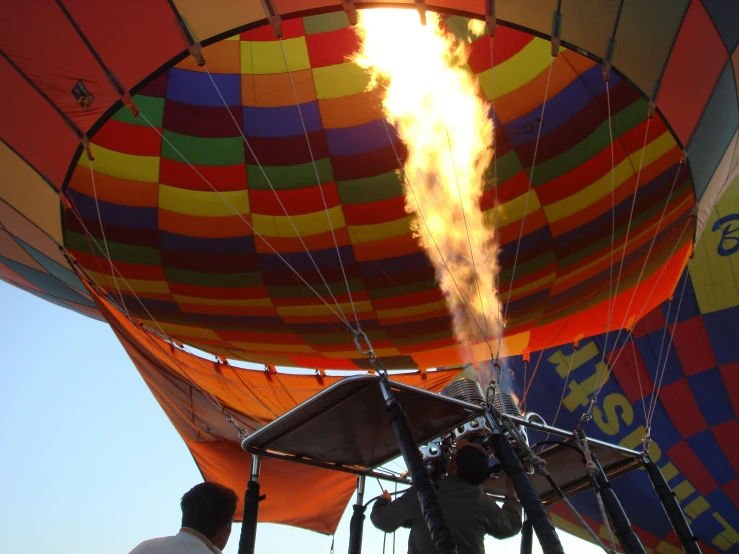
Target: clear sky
{"x": 91, "y": 465}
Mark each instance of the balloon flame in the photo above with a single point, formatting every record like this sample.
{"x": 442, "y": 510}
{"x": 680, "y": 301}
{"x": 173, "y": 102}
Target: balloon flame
{"x": 433, "y": 102}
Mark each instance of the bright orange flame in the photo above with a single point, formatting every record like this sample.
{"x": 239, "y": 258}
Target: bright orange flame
{"x": 435, "y": 106}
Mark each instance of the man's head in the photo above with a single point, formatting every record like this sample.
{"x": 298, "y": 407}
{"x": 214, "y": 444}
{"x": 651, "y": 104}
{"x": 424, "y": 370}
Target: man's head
{"x": 209, "y": 509}
{"x": 472, "y": 463}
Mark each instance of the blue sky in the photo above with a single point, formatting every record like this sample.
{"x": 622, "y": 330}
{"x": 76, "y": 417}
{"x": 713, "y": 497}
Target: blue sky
{"x": 90, "y": 463}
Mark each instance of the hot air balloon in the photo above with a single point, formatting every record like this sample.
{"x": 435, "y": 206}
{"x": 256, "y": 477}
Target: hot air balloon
{"x": 220, "y": 176}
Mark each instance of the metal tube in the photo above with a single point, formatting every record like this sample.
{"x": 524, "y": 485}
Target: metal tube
{"x": 256, "y": 467}
{"x": 529, "y": 498}
{"x": 356, "y": 525}
{"x": 430, "y": 507}
{"x": 248, "y": 538}
{"x": 570, "y": 435}
{"x": 336, "y": 467}
{"x": 671, "y": 507}
{"x": 618, "y": 518}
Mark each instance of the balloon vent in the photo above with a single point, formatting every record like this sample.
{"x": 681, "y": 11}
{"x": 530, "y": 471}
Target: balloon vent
{"x": 506, "y": 404}
{"x": 466, "y": 390}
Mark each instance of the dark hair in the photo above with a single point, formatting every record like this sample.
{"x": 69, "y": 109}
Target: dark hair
{"x": 207, "y": 507}
{"x": 472, "y": 465}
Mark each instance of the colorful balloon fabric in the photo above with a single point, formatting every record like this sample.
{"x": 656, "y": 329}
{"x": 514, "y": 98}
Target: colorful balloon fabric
{"x": 683, "y": 353}
{"x": 235, "y": 206}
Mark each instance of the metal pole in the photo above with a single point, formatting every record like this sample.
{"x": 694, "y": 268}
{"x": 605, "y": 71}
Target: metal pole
{"x": 618, "y": 518}
{"x": 248, "y": 538}
{"x": 527, "y": 537}
{"x": 356, "y": 526}
{"x": 527, "y": 495}
{"x": 430, "y": 506}
{"x": 672, "y": 507}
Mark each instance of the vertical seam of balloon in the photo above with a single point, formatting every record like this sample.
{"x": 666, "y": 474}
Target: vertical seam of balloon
{"x": 405, "y": 179}
{"x": 528, "y": 191}
{"x": 486, "y": 336}
{"x": 217, "y": 404}
{"x": 611, "y": 365}
{"x": 240, "y": 216}
{"x": 318, "y": 182}
{"x": 669, "y": 345}
{"x": 279, "y": 201}
{"x": 105, "y": 240}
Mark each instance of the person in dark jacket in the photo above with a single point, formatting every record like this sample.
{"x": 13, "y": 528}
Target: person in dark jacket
{"x": 469, "y": 512}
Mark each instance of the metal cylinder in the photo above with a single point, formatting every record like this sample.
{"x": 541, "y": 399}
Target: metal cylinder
{"x": 506, "y": 403}
{"x": 466, "y": 390}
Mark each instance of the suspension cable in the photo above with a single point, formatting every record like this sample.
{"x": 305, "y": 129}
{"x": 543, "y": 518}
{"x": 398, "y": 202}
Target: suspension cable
{"x": 646, "y": 259}
{"x": 528, "y": 193}
{"x": 655, "y": 394}
{"x": 105, "y": 241}
{"x": 410, "y": 186}
{"x": 611, "y": 296}
{"x": 486, "y": 338}
{"x": 154, "y": 320}
{"x": 564, "y": 388}
{"x": 341, "y": 317}
{"x": 496, "y": 219}
{"x": 318, "y": 182}
{"x": 540, "y": 467}
{"x": 594, "y": 399}
{"x": 628, "y": 226}
{"x": 638, "y": 377}
{"x": 277, "y": 196}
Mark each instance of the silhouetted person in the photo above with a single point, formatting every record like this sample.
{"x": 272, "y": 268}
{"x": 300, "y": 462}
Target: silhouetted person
{"x": 207, "y": 514}
{"x": 469, "y": 512}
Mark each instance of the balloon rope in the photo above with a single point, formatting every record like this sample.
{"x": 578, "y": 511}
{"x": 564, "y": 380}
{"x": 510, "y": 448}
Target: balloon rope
{"x": 646, "y": 261}
{"x": 339, "y": 314}
{"x": 318, "y": 182}
{"x": 277, "y": 196}
{"x": 527, "y": 387}
{"x": 528, "y": 194}
{"x": 162, "y": 332}
{"x": 611, "y": 296}
{"x": 486, "y": 337}
{"x": 419, "y": 211}
{"x": 496, "y": 219}
{"x": 638, "y": 378}
{"x": 655, "y": 394}
{"x": 564, "y": 388}
{"x": 230, "y": 418}
{"x": 659, "y": 358}
{"x": 105, "y": 241}
{"x": 613, "y": 363}
{"x": 628, "y": 229}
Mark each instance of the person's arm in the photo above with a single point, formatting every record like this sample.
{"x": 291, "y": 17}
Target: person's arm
{"x": 387, "y": 515}
{"x": 503, "y": 522}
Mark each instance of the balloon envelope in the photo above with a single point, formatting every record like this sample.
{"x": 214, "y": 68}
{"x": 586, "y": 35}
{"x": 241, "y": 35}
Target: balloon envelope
{"x": 182, "y": 206}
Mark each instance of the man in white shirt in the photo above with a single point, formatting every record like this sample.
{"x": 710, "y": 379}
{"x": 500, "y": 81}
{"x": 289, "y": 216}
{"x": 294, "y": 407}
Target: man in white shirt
{"x": 207, "y": 514}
